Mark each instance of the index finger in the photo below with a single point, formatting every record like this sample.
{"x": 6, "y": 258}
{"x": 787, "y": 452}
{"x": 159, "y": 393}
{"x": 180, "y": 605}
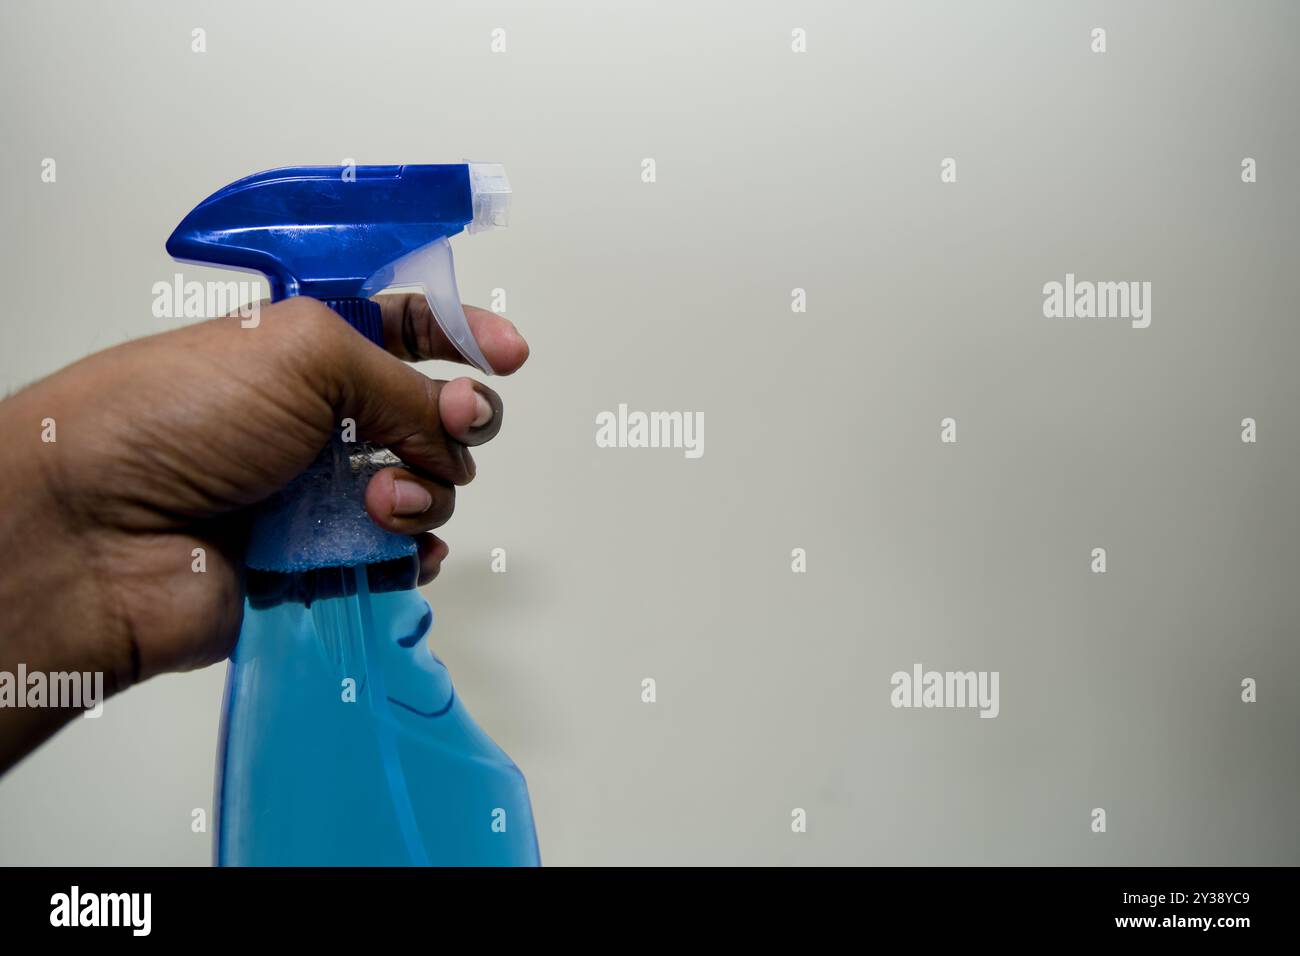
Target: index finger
{"x": 413, "y": 334}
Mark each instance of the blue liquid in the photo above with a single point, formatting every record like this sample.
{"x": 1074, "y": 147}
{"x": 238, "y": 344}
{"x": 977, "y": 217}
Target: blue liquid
{"x": 344, "y": 743}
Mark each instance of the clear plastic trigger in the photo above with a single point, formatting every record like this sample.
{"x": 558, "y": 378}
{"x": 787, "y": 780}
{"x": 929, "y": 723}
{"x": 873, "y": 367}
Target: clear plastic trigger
{"x": 431, "y": 269}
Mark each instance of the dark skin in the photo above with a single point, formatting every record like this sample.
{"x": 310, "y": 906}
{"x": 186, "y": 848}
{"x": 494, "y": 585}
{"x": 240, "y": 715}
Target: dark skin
{"x": 161, "y": 445}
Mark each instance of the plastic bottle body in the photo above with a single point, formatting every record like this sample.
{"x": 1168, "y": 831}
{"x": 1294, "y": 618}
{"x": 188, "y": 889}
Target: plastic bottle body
{"x": 344, "y": 742}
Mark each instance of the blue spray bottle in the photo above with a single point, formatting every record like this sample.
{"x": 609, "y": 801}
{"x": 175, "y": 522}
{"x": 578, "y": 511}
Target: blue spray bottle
{"x": 343, "y": 741}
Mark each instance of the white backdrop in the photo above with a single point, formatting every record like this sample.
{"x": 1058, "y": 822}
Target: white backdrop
{"x": 775, "y": 170}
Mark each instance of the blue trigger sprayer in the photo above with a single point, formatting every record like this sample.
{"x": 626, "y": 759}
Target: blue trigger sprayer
{"x": 342, "y": 740}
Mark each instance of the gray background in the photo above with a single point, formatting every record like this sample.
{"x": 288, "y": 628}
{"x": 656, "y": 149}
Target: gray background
{"x": 775, "y": 171}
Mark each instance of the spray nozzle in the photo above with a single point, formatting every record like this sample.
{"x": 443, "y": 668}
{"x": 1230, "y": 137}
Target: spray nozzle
{"x": 491, "y": 196}
{"x": 341, "y": 233}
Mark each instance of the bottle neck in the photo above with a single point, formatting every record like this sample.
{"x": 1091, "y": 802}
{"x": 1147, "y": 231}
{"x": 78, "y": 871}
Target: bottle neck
{"x": 362, "y": 314}
{"x": 319, "y": 519}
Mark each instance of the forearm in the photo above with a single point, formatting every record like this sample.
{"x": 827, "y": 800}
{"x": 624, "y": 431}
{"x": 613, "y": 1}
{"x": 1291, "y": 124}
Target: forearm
{"x": 53, "y": 620}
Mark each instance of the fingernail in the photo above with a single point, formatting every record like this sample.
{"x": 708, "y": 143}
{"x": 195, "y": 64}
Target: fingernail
{"x": 482, "y": 411}
{"x": 410, "y": 498}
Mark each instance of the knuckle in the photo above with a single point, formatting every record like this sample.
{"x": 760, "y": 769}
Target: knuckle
{"x": 417, "y": 327}
{"x": 432, "y": 390}
{"x": 444, "y": 505}
{"x": 464, "y": 464}
{"x": 310, "y": 339}
{"x": 303, "y": 324}
{"x": 304, "y": 308}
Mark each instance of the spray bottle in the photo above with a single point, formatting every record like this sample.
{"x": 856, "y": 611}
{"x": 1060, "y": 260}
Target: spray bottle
{"x": 343, "y": 741}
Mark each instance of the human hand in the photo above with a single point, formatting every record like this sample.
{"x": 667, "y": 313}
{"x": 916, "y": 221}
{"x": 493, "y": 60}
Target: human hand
{"x": 162, "y": 444}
